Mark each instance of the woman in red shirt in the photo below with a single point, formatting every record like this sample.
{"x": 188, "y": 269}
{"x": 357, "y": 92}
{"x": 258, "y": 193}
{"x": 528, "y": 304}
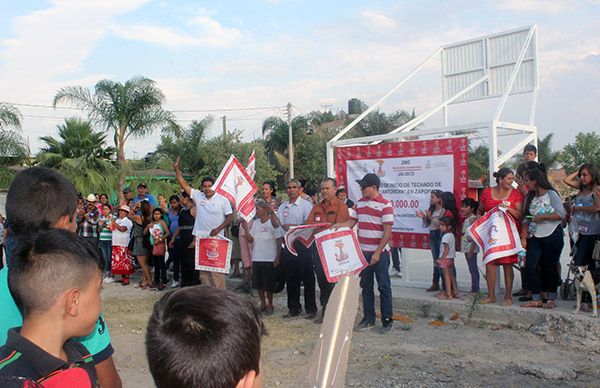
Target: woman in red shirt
{"x": 505, "y": 195}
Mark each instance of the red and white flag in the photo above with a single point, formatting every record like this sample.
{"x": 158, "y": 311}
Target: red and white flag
{"x": 251, "y": 165}
{"x": 496, "y": 235}
{"x": 303, "y": 233}
{"x": 238, "y": 187}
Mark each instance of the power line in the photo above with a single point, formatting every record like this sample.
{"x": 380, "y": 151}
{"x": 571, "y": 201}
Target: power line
{"x": 226, "y": 109}
{"x": 41, "y": 106}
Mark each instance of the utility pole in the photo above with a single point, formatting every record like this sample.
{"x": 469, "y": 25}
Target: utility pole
{"x": 224, "y": 126}
{"x": 290, "y": 140}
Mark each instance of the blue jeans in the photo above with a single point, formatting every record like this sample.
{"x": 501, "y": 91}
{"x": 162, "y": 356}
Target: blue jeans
{"x": 175, "y": 257}
{"x": 380, "y": 270}
{"x": 106, "y": 249}
{"x": 543, "y": 255}
{"x": 435, "y": 239}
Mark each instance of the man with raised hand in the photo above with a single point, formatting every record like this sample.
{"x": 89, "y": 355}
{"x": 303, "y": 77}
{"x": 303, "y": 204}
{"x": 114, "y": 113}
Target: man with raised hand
{"x": 213, "y": 215}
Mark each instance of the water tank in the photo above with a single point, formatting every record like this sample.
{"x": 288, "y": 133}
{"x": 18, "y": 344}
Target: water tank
{"x": 354, "y": 106}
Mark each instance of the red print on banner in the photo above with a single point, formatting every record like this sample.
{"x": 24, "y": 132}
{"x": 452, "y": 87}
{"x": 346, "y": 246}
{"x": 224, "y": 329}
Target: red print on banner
{"x": 213, "y": 254}
{"x": 407, "y": 169}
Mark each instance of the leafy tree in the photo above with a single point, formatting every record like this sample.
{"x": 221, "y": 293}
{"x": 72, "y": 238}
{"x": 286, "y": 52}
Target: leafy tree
{"x": 583, "y": 150}
{"x": 13, "y": 148}
{"x": 185, "y": 144}
{"x": 227, "y": 145}
{"x": 80, "y": 154}
{"x": 378, "y": 123}
{"x": 545, "y": 154}
{"x": 133, "y": 108}
{"x": 479, "y": 163}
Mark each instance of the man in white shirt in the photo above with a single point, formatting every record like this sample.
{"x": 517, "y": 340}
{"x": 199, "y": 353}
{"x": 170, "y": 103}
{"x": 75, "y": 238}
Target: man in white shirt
{"x": 298, "y": 269}
{"x": 213, "y": 215}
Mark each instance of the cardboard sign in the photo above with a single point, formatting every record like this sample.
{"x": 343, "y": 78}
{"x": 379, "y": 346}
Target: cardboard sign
{"x": 340, "y": 253}
{"x": 213, "y": 254}
{"x": 303, "y": 233}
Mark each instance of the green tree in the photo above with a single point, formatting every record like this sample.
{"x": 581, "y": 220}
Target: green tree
{"x": 186, "y": 144}
{"x": 80, "y": 154}
{"x": 378, "y": 123}
{"x": 583, "y": 150}
{"x": 133, "y": 108}
{"x": 479, "y": 163}
{"x": 13, "y": 149}
{"x": 231, "y": 144}
{"x": 546, "y": 156}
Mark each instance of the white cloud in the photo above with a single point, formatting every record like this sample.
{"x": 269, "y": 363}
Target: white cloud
{"x": 546, "y": 6}
{"x": 209, "y": 32}
{"x": 378, "y": 20}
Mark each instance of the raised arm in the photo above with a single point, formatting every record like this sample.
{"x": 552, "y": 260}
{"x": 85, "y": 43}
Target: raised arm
{"x": 182, "y": 182}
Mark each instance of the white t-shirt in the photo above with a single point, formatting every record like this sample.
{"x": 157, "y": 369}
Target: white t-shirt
{"x": 265, "y": 244}
{"x": 448, "y": 239}
{"x": 121, "y": 239}
{"x": 210, "y": 213}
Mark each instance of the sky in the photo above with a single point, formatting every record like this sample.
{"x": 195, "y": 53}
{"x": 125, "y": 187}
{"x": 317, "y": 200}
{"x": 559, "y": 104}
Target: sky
{"x": 247, "y": 59}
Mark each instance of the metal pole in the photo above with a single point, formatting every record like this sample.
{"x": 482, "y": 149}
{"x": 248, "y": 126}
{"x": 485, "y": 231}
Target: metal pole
{"x": 224, "y": 126}
{"x": 291, "y": 141}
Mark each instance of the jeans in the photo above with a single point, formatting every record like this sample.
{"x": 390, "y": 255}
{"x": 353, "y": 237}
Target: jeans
{"x": 435, "y": 239}
{"x": 9, "y": 247}
{"x": 106, "y": 249}
{"x": 473, "y": 270}
{"x": 380, "y": 270}
{"x": 396, "y": 252}
{"x": 585, "y": 247}
{"x": 160, "y": 271}
{"x": 299, "y": 269}
{"x": 543, "y": 255}
{"x": 189, "y": 275}
{"x": 175, "y": 257}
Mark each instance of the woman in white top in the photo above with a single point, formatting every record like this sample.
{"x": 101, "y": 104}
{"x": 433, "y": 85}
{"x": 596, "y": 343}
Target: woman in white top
{"x": 542, "y": 236}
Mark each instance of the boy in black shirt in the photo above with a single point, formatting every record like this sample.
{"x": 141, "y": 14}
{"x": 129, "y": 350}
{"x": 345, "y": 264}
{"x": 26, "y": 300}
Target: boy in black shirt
{"x": 55, "y": 279}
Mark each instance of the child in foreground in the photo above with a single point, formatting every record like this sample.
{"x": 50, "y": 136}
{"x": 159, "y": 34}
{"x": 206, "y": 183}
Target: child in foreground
{"x": 446, "y": 260}
{"x": 202, "y": 336}
{"x": 55, "y": 278}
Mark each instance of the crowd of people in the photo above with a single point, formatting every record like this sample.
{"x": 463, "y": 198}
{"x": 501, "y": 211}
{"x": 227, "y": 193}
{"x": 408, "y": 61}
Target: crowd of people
{"x": 60, "y": 247}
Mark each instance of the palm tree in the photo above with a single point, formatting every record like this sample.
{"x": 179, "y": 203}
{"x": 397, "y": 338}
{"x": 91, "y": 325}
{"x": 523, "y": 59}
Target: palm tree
{"x": 80, "y": 154}
{"x": 130, "y": 109}
{"x": 12, "y": 145}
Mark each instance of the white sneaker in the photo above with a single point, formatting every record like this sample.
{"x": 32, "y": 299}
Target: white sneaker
{"x": 175, "y": 284}
{"x": 395, "y": 272}
{"x": 108, "y": 280}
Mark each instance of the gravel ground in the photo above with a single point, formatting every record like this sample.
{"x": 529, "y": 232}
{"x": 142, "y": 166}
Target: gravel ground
{"x": 457, "y": 353}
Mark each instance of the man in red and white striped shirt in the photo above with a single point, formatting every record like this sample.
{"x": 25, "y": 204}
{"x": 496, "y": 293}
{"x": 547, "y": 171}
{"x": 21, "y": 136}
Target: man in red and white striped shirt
{"x": 375, "y": 217}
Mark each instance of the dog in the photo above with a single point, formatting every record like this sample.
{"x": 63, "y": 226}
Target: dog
{"x": 588, "y": 280}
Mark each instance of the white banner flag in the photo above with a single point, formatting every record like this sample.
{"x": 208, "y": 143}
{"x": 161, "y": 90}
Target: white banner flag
{"x": 237, "y": 186}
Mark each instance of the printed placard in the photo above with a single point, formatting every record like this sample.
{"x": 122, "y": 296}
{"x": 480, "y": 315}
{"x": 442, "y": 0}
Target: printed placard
{"x": 339, "y": 252}
{"x": 213, "y": 254}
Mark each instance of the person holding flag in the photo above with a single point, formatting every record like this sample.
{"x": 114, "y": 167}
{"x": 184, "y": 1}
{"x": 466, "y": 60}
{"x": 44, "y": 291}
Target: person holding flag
{"x": 213, "y": 215}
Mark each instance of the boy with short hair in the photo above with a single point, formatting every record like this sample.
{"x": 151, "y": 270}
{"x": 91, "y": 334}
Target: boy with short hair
{"x": 202, "y": 336}
{"x": 55, "y": 279}
{"x": 40, "y": 198}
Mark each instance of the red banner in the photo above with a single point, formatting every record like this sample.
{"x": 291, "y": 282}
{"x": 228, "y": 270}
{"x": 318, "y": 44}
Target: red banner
{"x": 213, "y": 254}
{"x": 408, "y": 170}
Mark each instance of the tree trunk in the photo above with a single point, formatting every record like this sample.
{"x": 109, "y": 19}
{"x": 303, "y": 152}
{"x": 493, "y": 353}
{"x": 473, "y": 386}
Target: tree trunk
{"x": 120, "y": 140}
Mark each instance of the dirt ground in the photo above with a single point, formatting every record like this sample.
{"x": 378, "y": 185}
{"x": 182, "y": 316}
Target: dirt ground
{"x": 414, "y": 354}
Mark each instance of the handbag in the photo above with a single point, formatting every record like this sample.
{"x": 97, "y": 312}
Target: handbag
{"x": 159, "y": 249}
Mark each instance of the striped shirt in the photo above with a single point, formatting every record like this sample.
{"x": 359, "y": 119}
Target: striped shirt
{"x": 105, "y": 232}
{"x": 372, "y": 214}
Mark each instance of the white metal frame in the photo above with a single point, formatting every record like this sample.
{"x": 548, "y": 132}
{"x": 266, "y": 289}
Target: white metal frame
{"x": 493, "y": 75}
